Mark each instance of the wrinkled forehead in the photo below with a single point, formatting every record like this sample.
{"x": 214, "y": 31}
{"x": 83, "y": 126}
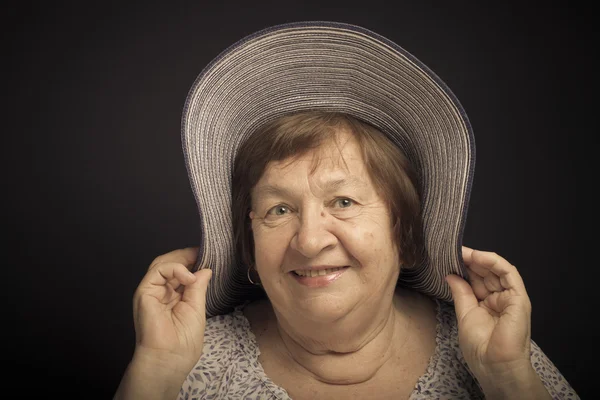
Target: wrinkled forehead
{"x": 337, "y": 156}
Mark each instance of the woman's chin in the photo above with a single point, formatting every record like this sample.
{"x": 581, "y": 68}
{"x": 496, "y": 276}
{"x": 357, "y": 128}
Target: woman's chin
{"x": 323, "y": 309}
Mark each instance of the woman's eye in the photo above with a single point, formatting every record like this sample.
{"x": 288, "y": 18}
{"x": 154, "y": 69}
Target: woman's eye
{"x": 278, "y": 210}
{"x": 344, "y": 202}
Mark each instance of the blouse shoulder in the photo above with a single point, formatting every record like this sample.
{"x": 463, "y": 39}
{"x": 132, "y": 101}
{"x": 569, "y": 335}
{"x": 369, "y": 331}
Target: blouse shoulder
{"x": 447, "y": 375}
{"x": 451, "y": 359}
{"x": 555, "y": 383}
{"x": 228, "y": 367}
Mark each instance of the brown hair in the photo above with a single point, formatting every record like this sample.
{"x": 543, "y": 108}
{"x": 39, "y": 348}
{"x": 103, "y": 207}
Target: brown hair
{"x": 294, "y": 135}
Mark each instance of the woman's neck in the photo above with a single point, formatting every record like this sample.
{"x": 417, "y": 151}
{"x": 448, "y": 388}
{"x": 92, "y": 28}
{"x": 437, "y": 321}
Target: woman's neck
{"x": 364, "y": 339}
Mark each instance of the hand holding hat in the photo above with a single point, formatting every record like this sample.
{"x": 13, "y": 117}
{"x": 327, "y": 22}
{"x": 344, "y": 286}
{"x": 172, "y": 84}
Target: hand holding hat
{"x": 494, "y": 324}
{"x": 170, "y": 317}
{"x": 169, "y": 308}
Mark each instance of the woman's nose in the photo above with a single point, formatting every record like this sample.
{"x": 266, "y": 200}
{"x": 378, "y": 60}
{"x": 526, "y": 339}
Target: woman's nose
{"x": 313, "y": 234}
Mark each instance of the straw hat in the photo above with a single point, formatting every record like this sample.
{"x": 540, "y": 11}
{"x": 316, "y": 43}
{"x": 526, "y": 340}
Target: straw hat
{"x": 333, "y": 67}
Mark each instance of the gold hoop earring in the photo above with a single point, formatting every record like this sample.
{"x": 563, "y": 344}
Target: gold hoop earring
{"x": 250, "y": 279}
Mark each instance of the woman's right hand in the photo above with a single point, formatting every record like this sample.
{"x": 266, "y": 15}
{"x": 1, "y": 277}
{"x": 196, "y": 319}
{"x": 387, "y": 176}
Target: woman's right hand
{"x": 169, "y": 309}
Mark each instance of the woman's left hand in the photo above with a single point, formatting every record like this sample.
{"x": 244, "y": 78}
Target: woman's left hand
{"x": 494, "y": 319}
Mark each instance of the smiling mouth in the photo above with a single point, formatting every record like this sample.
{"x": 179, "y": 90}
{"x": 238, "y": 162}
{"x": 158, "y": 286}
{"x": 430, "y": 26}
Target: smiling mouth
{"x": 312, "y": 273}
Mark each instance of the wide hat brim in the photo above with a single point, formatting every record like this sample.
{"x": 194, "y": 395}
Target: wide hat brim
{"x": 332, "y": 67}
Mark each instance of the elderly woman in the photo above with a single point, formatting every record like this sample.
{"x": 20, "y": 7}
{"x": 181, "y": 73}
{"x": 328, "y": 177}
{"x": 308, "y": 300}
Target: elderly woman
{"x": 332, "y": 278}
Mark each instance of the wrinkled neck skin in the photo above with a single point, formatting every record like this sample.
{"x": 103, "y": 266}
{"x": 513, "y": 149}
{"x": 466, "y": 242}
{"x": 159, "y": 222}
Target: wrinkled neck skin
{"x": 365, "y": 339}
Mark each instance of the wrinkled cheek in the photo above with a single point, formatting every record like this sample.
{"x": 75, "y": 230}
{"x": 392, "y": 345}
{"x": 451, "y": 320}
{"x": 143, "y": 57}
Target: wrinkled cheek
{"x": 384, "y": 266}
{"x": 269, "y": 252}
{"x": 262, "y": 257}
{"x": 269, "y": 255}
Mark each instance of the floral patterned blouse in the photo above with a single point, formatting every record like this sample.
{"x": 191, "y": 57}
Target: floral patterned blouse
{"x": 229, "y": 367}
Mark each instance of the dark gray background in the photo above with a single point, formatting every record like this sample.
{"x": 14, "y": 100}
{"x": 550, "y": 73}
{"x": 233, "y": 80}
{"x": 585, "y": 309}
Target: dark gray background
{"x": 96, "y": 186}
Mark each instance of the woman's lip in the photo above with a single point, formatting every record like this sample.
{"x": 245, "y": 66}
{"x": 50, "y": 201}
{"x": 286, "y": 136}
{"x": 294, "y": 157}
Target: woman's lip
{"x": 318, "y": 281}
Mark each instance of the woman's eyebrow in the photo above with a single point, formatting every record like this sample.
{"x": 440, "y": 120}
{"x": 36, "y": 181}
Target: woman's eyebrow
{"x": 329, "y": 186}
{"x": 271, "y": 190}
{"x": 349, "y": 181}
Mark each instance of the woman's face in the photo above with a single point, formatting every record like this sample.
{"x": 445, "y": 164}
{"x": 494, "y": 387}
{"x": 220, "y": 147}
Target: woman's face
{"x": 323, "y": 239}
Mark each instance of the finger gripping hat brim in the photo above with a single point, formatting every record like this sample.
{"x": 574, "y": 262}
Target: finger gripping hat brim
{"x": 332, "y": 67}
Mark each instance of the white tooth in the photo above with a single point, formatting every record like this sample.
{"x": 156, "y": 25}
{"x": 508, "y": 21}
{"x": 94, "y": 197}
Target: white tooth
{"x": 322, "y": 272}
{"x": 313, "y": 273}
